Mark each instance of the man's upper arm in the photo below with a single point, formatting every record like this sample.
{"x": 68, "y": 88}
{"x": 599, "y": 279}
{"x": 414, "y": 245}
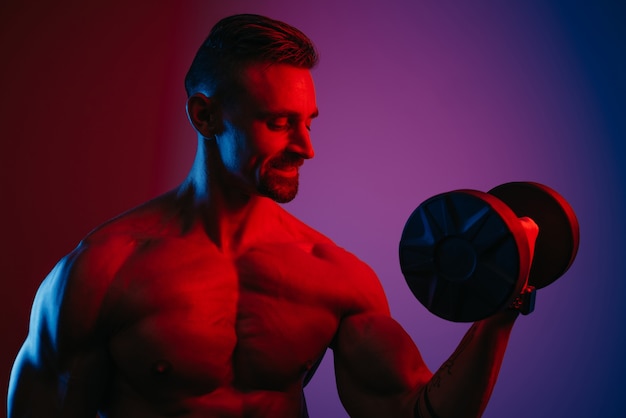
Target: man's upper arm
{"x": 61, "y": 367}
{"x": 379, "y": 370}
{"x": 39, "y": 388}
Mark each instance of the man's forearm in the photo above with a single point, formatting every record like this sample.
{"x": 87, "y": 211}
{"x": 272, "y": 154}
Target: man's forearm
{"x": 463, "y": 384}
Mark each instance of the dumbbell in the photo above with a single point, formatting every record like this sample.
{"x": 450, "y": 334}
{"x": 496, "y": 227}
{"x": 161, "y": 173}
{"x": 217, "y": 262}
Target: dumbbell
{"x": 465, "y": 254}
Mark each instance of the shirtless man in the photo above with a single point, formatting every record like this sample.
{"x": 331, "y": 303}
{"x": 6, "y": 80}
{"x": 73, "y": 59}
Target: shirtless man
{"x": 212, "y": 301}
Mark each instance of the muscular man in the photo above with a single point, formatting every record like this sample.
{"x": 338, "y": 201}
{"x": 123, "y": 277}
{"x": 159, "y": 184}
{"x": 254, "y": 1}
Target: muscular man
{"x": 212, "y": 301}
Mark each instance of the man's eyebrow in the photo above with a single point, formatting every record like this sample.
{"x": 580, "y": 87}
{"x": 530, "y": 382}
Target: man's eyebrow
{"x": 286, "y": 113}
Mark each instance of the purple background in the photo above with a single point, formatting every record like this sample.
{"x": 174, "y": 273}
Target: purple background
{"x": 415, "y": 98}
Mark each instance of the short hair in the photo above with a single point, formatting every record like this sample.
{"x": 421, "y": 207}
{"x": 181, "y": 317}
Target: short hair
{"x": 240, "y": 40}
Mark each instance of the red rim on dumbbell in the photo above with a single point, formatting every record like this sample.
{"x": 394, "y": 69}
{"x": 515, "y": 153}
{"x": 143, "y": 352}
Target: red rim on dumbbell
{"x": 464, "y": 255}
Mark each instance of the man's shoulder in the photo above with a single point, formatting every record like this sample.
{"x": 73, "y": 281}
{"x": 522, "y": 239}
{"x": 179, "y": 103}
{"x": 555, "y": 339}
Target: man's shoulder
{"x": 80, "y": 281}
{"x": 146, "y": 221}
{"x": 356, "y": 272}
{"x": 70, "y": 298}
{"x": 104, "y": 250}
{"x": 319, "y": 244}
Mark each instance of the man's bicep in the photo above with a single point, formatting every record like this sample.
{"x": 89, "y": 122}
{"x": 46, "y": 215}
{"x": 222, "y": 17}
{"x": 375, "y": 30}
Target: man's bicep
{"x": 379, "y": 370}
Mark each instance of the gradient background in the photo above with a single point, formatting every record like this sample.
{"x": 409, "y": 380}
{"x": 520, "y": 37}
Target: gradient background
{"x": 416, "y": 98}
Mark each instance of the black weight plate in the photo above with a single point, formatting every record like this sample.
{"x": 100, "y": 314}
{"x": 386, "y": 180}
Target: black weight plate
{"x": 559, "y": 236}
{"x": 464, "y": 255}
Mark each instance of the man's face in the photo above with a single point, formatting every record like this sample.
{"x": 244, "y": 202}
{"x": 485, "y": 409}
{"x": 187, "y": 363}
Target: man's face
{"x": 266, "y": 129}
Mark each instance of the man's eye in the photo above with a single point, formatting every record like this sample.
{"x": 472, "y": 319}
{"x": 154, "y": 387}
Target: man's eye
{"x": 278, "y": 123}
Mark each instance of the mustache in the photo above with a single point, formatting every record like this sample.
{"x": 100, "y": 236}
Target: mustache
{"x": 286, "y": 160}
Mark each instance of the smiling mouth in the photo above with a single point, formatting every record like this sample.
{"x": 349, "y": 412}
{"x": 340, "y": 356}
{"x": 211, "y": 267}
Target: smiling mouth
{"x": 287, "y": 170}
{"x": 287, "y": 164}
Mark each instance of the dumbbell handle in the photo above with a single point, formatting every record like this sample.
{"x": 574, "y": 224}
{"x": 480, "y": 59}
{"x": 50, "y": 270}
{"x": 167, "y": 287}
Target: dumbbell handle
{"x": 525, "y": 302}
{"x": 557, "y": 243}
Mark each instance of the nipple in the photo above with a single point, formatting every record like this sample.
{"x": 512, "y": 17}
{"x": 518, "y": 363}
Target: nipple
{"x": 161, "y": 368}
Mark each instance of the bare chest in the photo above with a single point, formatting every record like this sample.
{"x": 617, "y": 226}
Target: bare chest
{"x": 185, "y": 321}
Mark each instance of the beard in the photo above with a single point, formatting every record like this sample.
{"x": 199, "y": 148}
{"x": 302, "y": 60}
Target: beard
{"x": 277, "y": 187}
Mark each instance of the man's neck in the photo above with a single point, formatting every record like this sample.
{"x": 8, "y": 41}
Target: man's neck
{"x": 232, "y": 218}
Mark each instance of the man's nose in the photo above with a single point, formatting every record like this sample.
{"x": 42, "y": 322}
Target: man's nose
{"x": 300, "y": 142}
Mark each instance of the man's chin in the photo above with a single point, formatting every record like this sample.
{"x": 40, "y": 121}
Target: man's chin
{"x": 281, "y": 190}
{"x": 282, "y": 196}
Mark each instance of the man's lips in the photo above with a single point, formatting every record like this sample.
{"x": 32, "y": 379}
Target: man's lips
{"x": 287, "y": 164}
{"x": 291, "y": 170}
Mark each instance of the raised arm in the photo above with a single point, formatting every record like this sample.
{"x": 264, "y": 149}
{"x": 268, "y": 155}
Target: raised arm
{"x": 61, "y": 369}
{"x": 380, "y": 371}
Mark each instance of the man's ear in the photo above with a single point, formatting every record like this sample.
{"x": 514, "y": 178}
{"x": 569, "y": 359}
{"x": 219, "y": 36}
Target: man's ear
{"x": 204, "y": 113}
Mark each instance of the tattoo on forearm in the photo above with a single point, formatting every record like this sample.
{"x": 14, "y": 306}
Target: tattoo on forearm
{"x": 446, "y": 368}
{"x": 423, "y": 407}
{"x": 430, "y": 412}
